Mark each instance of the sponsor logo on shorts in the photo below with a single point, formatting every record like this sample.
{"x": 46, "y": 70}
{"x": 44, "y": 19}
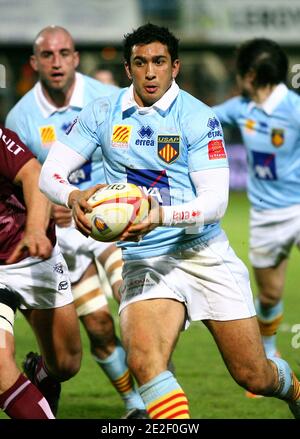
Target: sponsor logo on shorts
{"x": 216, "y": 150}
{"x": 63, "y": 285}
{"x": 168, "y": 148}
{"x": 58, "y": 268}
{"x": 277, "y": 137}
{"x": 47, "y": 134}
{"x": 121, "y": 136}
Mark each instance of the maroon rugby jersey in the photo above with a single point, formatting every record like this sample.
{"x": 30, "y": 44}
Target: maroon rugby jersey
{"x": 13, "y": 155}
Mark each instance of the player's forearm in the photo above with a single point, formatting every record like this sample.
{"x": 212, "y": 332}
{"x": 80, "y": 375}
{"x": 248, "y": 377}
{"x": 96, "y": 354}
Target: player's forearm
{"x": 61, "y": 161}
{"x": 37, "y": 205}
{"x": 209, "y": 206}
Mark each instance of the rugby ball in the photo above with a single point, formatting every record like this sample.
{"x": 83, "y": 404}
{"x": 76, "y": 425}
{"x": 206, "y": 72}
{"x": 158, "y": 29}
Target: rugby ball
{"x": 115, "y": 208}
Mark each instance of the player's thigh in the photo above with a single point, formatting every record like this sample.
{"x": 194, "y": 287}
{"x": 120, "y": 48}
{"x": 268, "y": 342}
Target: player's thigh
{"x": 56, "y": 329}
{"x": 239, "y": 342}
{"x": 152, "y": 326}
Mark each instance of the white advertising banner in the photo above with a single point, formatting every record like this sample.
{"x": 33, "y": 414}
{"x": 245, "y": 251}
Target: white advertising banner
{"x": 231, "y": 21}
{"x": 90, "y": 21}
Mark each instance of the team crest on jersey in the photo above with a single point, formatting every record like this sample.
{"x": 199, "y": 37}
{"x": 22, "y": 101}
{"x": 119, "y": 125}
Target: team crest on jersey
{"x": 277, "y": 136}
{"x": 168, "y": 148}
{"x": 121, "y": 136}
{"x": 47, "y": 134}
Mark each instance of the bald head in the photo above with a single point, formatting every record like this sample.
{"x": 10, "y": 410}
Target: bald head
{"x": 50, "y": 32}
{"x": 55, "y": 60}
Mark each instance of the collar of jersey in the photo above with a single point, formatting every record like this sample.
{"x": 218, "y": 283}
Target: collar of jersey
{"x": 163, "y": 104}
{"x": 269, "y": 105}
{"x": 76, "y": 100}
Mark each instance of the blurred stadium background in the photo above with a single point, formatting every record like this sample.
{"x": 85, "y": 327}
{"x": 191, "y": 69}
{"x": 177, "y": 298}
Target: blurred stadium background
{"x": 209, "y": 31}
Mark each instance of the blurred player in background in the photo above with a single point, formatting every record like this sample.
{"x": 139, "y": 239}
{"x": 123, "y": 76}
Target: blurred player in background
{"x": 268, "y": 116}
{"x": 33, "y": 278}
{"x": 39, "y": 117}
{"x": 183, "y": 270}
{"x": 105, "y": 76}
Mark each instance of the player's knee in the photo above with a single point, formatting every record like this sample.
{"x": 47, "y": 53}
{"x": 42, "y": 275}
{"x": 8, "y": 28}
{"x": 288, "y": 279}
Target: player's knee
{"x": 268, "y": 298}
{"x": 100, "y": 329}
{"x": 66, "y": 367}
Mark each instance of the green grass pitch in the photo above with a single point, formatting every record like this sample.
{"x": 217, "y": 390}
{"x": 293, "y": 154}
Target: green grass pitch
{"x": 199, "y": 368}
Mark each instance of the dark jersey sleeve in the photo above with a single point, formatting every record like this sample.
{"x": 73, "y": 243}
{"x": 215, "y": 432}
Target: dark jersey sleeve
{"x": 13, "y": 153}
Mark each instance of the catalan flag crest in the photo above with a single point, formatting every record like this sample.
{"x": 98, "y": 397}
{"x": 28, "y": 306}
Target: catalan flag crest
{"x": 121, "y": 136}
{"x": 277, "y": 137}
{"x": 47, "y": 134}
{"x": 168, "y": 148}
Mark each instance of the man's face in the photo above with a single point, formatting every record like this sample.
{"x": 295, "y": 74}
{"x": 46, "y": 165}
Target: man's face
{"x": 151, "y": 71}
{"x": 55, "y": 60}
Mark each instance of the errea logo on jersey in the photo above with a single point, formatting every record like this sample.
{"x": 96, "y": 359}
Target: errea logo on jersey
{"x": 145, "y": 133}
{"x": 121, "y": 136}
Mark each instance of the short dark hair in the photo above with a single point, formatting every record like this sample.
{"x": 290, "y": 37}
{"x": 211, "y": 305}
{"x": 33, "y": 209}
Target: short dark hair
{"x": 264, "y": 57}
{"x": 150, "y": 33}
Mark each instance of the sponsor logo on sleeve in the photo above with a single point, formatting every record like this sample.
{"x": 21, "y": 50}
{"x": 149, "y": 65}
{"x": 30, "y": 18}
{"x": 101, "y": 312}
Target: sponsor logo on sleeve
{"x": 168, "y": 148}
{"x": 277, "y": 137}
{"x": 47, "y": 135}
{"x": 121, "y": 136}
{"x": 216, "y": 150}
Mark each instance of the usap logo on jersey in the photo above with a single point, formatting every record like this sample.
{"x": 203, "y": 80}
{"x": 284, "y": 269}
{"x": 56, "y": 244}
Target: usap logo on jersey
{"x": 277, "y": 136}
{"x": 168, "y": 148}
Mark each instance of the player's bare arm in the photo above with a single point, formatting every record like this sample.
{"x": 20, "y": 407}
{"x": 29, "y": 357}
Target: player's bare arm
{"x": 35, "y": 241}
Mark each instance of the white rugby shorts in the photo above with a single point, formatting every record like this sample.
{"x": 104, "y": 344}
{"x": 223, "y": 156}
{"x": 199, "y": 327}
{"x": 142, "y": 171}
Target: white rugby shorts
{"x": 78, "y": 250}
{"x": 272, "y": 235}
{"x": 38, "y": 283}
{"x": 209, "y": 279}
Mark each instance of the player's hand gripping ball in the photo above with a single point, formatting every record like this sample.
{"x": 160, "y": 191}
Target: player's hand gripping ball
{"x": 115, "y": 208}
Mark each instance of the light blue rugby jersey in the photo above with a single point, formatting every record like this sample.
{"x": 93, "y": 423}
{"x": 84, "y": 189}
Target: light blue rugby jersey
{"x": 271, "y": 134}
{"x": 39, "y": 124}
{"x": 155, "y": 148}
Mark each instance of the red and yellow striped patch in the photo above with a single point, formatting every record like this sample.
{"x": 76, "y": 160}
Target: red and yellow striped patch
{"x": 121, "y": 136}
{"x": 47, "y": 134}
